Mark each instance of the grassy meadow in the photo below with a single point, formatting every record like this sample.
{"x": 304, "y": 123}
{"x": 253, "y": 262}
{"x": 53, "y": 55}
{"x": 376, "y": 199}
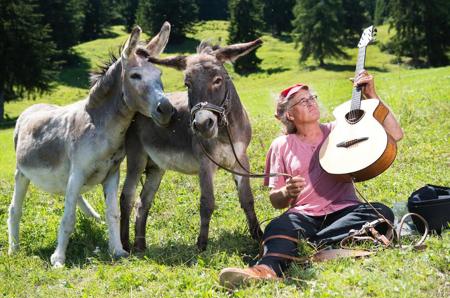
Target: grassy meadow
{"x": 171, "y": 266}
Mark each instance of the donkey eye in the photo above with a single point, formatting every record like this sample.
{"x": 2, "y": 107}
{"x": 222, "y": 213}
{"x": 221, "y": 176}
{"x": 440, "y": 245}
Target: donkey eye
{"x": 136, "y": 76}
{"x": 217, "y": 81}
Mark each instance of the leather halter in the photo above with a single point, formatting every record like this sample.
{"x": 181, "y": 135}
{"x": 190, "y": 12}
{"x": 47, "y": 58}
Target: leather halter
{"x": 222, "y": 111}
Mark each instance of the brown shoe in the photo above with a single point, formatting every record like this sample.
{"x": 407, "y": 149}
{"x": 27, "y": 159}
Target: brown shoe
{"x": 234, "y": 277}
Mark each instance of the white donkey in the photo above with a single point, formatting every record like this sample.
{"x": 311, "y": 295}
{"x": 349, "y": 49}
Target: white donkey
{"x": 70, "y": 149}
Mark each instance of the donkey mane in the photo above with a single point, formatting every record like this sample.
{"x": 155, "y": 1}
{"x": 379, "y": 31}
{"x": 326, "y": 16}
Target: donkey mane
{"x": 206, "y": 47}
{"x": 97, "y": 74}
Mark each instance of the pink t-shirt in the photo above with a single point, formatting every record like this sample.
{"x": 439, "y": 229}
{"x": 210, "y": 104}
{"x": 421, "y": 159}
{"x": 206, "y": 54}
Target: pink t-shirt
{"x": 323, "y": 194}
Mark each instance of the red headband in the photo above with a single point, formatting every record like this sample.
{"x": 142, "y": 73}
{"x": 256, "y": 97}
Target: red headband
{"x": 286, "y": 93}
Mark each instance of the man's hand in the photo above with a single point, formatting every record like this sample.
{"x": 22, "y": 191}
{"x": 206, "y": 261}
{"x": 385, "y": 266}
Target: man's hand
{"x": 366, "y": 81}
{"x": 390, "y": 123}
{"x": 294, "y": 186}
{"x": 284, "y": 196}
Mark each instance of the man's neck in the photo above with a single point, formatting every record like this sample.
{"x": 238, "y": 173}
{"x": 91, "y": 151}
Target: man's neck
{"x": 310, "y": 132}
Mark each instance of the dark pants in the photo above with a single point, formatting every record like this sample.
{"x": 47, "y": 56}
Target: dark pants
{"x": 320, "y": 230}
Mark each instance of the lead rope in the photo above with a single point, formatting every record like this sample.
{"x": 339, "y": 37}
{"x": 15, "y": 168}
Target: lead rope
{"x": 368, "y": 231}
{"x": 248, "y": 174}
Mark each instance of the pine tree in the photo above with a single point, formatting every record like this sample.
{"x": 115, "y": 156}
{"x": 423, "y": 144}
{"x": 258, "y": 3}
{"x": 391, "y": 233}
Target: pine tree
{"x": 212, "y": 9}
{"x": 422, "y": 30}
{"x": 26, "y": 50}
{"x": 129, "y": 9}
{"x": 97, "y": 17}
{"x": 244, "y": 26}
{"x": 381, "y": 12}
{"x": 181, "y": 14}
{"x": 277, "y": 15}
{"x": 318, "y": 28}
{"x": 356, "y": 16}
{"x": 65, "y": 18}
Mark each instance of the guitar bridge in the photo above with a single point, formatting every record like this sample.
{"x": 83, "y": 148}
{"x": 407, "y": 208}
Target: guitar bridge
{"x": 347, "y": 144}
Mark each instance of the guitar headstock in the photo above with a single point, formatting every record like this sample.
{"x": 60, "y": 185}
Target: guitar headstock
{"x": 367, "y": 37}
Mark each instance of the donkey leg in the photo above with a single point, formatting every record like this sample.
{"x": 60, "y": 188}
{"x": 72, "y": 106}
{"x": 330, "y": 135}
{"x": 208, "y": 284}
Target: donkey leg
{"x": 247, "y": 200}
{"x": 135, "y": 168}
{"x": 110, "y": 188}
{"x": 151, "y": 185}
{"x": 67, "y": 225}
{"x": 207, "y": 203}
{"x": 87, "y": 209}
{"x": 15, "y": 210}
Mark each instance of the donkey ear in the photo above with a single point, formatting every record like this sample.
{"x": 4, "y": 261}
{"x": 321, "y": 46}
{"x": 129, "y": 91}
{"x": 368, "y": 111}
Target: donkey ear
{"x": 131, "y": 43}
{"x": 177, "y": 62}
{"x": 159, "y": 42}
{"x": 232, "y": 52}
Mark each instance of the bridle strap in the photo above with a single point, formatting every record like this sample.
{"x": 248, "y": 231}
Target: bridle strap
{"x": 248, "y": 174}
{"x": 221, "y": 112}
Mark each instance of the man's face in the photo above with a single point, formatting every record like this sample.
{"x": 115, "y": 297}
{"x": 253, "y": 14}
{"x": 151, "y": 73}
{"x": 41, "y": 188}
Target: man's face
{"x": 303, "y": 108}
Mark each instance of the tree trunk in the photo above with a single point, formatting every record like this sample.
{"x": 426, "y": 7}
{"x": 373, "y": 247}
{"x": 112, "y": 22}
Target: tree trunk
{"x": 2, "y": 106}
{"x": 321, "y": 62}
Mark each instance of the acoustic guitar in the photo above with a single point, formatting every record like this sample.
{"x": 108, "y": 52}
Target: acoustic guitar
{"x": 359, "y": 148}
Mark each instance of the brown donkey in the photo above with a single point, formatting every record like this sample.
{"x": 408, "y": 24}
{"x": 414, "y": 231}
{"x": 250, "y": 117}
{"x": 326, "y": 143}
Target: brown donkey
{"x": 70, "y": 149}
{"x": 177, "y": 147}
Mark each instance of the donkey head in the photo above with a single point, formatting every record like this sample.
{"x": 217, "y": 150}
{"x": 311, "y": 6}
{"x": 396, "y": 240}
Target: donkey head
{"x": 208, "y": 81}
{"x": 142, "y": 86}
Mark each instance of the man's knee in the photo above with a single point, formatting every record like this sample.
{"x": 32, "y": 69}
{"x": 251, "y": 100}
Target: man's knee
{"x": 384, "y": 210}
{"x": 279, "y": 226}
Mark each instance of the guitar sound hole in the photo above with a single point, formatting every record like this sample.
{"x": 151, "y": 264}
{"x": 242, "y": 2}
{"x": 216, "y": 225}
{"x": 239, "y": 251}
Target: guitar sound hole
{"x": 354, "y": 116}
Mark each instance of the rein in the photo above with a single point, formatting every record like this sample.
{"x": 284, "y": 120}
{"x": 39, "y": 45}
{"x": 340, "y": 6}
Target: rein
{"x": 221, "y": 112}
{"x": 366, "y": 233}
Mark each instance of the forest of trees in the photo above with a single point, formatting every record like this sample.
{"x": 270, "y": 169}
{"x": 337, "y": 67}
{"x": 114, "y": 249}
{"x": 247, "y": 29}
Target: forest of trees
{"x": 40, "y": 34}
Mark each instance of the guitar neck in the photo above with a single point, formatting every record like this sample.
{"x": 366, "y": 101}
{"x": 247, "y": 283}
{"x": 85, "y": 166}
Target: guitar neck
{"x": 356, "y": 93}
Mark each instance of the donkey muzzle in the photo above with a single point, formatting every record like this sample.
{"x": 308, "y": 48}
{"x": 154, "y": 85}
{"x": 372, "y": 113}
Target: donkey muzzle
{"x": 164, "y": 112}
{"x": 205, "y": 124}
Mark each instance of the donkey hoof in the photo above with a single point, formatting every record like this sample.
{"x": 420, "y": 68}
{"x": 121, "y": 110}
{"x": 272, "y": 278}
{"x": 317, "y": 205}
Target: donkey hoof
{"x": 257, "y": 234}
{"x": 126, "y": 246}
{"x": 118, "y": 254}
{"x": 13, "y": 249}
{"x": 140, "y": 245}
{"x": 57, "y": 261}
{"x": 201, "y": 245}
{"x": 139, "y": 248}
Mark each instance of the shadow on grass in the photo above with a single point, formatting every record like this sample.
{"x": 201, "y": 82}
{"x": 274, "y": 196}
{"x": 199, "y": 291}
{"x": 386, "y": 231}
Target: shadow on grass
{"x": 273, "y": 70}
{"x": 343, "y": 67}
{"x": 284, "y": 37}
{"x": 173, "y": 253}
{"x": 75, "y": 72}
{"x": 300, "y": 276}
{"x": 187, "y": 46}
{"x": 8, "y": 123}
{"x": 86, "y": 243}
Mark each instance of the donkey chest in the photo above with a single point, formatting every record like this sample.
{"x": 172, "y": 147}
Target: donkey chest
{"x": 107, "y": 159}
{"x": 183, "y": 161}
{"x": 224, "y": 155}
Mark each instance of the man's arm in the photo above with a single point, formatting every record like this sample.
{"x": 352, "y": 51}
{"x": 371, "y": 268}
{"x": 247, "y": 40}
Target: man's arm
{"x": 282, "y": 197}
{"x": 279, "y": 198}
{"x": 390, "y": 123}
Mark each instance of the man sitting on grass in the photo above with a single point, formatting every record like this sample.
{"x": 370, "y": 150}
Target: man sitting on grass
{"x": 321, "y": 209}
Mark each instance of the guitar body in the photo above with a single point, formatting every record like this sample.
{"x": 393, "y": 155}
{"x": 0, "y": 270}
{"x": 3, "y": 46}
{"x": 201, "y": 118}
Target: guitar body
{"x": 359, "y": 149}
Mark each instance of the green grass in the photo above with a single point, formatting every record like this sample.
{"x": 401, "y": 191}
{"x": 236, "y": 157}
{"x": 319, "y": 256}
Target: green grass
{"x": 171, "y": 266}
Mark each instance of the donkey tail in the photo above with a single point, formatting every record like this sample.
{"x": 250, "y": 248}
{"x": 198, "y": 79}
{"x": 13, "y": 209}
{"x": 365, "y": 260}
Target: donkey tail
{"x": 87, "y": 209}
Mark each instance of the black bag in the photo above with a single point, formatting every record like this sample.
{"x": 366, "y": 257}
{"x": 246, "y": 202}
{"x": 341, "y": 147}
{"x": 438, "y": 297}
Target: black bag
{"x": 433, "y": 203}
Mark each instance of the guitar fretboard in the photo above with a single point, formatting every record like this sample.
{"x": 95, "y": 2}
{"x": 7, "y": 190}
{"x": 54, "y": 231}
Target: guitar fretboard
{"x": 356, "y": 93}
